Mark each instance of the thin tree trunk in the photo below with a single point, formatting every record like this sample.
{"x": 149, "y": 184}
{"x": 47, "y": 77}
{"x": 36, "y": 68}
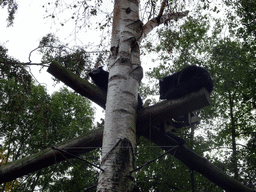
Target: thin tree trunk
{"x": 233, "y": 133}
{"x": 119, "y": 138}
{"x": 192, "y": 175}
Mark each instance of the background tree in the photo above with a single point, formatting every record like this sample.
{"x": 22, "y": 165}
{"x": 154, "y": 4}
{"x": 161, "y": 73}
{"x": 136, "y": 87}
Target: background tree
{"x": 32, "y": 120}
{"x": 231, "y": 64}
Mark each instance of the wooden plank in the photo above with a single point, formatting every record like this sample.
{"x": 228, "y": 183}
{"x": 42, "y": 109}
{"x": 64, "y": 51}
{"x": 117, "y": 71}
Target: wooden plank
{"x": 169, "y": 109}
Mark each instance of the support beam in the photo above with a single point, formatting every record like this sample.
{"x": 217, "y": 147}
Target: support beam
{"x": 77, "y": 146}
{"x": 196, "y": 162}
{"x": 93, "y": 139}
{"x": 169, "y": 109}
{"x": 81, "y": 86}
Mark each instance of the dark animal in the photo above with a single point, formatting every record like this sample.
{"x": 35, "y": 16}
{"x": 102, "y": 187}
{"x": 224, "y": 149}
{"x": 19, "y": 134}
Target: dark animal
{"x": 190, "y": 79}
{"x": 100, "y": 78}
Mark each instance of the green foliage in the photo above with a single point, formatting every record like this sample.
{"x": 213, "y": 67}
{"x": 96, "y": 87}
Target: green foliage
{"x": 11, "y": 68}
{"x": 32, "y": 120}
{"x": 187, "y": 38}
{"x": 76, "y": 59}
{"x": 245, "y": 9}
{"x": 164, "y": 174}
{"x": 227, "y": 130}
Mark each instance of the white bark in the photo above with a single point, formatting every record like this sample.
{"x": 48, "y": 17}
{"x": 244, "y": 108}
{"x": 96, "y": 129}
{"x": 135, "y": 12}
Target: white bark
{"x": 119, "y": 138}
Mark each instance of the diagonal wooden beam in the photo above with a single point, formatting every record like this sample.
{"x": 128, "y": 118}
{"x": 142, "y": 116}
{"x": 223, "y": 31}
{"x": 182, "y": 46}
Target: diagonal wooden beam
{"x": 80, "y": 85}
{"x": 196, "y": 162}
{"x": 169, "y": 109}
{"x": 47, "y": 157}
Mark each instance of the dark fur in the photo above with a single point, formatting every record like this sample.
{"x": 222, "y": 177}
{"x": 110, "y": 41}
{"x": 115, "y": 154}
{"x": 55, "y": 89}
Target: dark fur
{"x": 190, "y": 79}
{"x": 100, "y": 78}
{"x": 168, "y": 83}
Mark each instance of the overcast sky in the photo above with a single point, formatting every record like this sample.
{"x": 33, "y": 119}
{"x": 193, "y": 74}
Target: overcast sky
{"x": 28, "y": 29}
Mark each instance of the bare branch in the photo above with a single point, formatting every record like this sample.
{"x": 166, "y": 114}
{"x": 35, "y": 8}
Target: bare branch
{"x": 39, "y": 64}
{"x": 29, "y": 56}
{"x": 150, "y": 25}
{"x": 28, "y": 63}
{"x": 173, "y": 16}
{"x": 163, "y": 5}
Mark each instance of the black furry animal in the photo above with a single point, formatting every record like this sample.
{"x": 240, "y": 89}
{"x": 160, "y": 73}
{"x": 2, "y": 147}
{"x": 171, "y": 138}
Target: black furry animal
{"x": 167, "y": 84}
{"x": 100, "y": 78}
{"x": 190, "y": 79}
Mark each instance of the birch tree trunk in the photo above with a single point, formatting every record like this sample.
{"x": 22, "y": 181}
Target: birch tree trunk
{"x": 119, "y": 138}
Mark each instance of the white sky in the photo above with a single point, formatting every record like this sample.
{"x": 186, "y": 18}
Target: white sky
{"x": 28, "y": 29}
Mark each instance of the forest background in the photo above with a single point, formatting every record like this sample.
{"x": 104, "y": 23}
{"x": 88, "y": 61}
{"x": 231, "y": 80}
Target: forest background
{"x": 219, "y": 36}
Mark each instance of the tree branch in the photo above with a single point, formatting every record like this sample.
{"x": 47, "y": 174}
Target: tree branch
{"x": 160, "y": 19}
{"x": 163, "y": 5}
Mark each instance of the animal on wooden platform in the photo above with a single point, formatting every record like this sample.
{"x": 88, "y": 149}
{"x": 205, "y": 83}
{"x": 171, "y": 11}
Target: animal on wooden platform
{"x": 190, "y": 79}
{"x": 100, "y": 78}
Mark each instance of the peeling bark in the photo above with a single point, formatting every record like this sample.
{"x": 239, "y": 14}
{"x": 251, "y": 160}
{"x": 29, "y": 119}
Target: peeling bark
{"x": 125, "y": 74}
{"x": 160, "y": 19}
